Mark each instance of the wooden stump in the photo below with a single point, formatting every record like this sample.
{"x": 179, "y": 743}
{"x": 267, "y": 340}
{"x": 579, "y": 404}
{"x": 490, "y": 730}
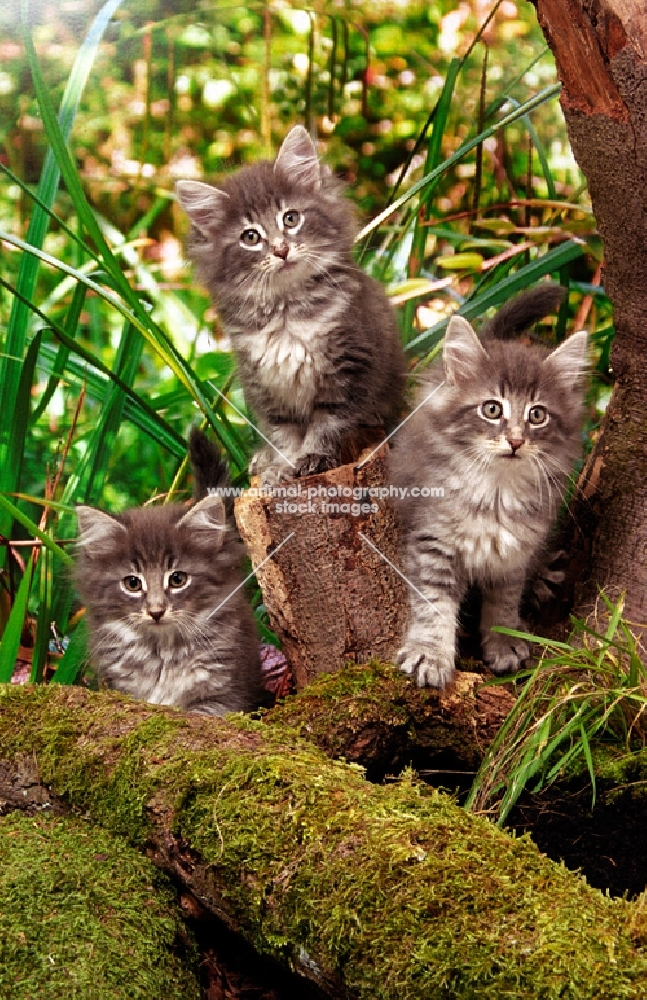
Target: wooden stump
{"x": 331, "y": 597}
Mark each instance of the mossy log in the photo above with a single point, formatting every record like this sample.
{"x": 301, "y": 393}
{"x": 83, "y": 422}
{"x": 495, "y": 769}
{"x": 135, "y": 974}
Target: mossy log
{"x": 374, "y": 716}
{"x": 330, "y": 587}
{"x": 84, "y": 915}
{"x": 373, "y": 892}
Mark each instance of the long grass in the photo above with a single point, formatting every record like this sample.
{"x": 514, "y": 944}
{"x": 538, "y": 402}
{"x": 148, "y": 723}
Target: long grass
{"x": 93, "y": 331}
{"x": 588, "y": 691}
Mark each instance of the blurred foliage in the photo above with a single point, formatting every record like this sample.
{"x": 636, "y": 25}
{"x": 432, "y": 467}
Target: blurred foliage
{"x": 106, "y": 364}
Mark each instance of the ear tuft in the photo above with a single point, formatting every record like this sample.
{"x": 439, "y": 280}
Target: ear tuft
{"x": 206, "y": 515}
{"x": 297, "y": 159}
{"x": 569, "y": 362}
{"x": 203, "y": 203}
{"x": 98, "y": 531}
{"x": 463, "y": 352}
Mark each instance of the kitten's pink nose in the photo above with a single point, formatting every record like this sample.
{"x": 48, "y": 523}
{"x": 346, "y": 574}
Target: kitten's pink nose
{"x": 156, "y": 613}
{"x": 281, "y": 250}
{"x": 515, "y": 443}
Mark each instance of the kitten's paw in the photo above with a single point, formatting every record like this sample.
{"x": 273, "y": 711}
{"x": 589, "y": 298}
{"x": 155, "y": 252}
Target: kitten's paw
{"x": 310, "y": 465}
{"x": 260, "y": 461}
{"x": 429, "y": 667}
{"x": 275, "y": 474}
{"x": 503, "y": 653}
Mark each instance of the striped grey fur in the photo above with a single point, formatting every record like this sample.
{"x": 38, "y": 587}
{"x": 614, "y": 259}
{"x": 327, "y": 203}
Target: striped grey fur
{"x": 481, "y": 437}
{"x": 316, "y": 340}
{"x": 156, "y": 640}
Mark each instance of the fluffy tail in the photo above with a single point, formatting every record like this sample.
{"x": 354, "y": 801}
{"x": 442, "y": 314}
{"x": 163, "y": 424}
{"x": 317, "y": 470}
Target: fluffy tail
{"x": 524, "y": 310}
{"x": 210, "y": 470}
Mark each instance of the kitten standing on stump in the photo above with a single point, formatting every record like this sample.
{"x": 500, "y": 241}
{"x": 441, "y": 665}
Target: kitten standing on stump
{"x": 153, "y": 580}
{"x": 499, "y": 432}
{"x": 316, "y": 339}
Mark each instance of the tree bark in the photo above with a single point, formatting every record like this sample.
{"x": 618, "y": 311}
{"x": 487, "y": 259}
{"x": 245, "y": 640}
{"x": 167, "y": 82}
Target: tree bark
{"x": 372, "y": 892}
{"x": 600, "y": 47}
{"x": 330, "y": 588}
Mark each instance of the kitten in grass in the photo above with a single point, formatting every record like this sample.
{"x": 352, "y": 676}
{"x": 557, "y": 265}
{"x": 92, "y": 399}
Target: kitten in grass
{"x": 499, "y": 431}
{"x": 316, "y": 339}
{"x": 153, "y": 580}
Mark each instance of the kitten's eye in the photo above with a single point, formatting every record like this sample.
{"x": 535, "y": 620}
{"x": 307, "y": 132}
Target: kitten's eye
{"x": 291, "y": 219}
{"x": 491, "y": 409}
{"x": 177, "y": 578}
{"x": 250, "y": 237}
{"x": 537, "y": 415}
{"x": 132, "y": 584}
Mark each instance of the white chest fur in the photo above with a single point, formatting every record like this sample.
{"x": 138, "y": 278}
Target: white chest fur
{"x": 489, "y": 549}
{"x": 289, "y": 356}
{"x": 493, "y": 547}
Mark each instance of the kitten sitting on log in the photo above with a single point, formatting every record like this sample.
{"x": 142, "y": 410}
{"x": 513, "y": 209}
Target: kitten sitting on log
{"x": 158, "y": 584}
{"x": 316, "y": 339}
{"x": 498, "y": 433}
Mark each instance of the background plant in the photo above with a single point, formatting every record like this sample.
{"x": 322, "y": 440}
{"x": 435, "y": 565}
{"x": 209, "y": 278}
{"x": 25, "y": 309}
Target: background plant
{"x": 443, "y": 121}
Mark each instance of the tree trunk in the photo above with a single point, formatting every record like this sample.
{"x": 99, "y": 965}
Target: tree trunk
{"x": 600, "y": 47}
{"x": 329, "y": 587}
{"x": 372, "y": 892}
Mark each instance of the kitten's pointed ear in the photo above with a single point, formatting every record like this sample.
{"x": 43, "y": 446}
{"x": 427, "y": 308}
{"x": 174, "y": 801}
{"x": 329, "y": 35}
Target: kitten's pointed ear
{"x": 569, "y": 362}
{"x": 202, "y": 203}
{"x": 207, "y": 515}
{"x": 98, "y": 531}
{"x": 463, "y": 352}
{"x": 297, "y": 159}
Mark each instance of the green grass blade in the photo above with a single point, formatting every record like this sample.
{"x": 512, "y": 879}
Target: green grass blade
{"x": 34, "y": 530}
{"x": 543, "y": 159}
{"x": 74, "y": 657}
{"x": 71, "y": 325}
{"x": 16, "y": 444}
{"x": 49, "y": 211}
{"x": 138, "y": 409}
{"x": 134, "y": 310}
{"x": 87, "y": 481}
{"x": 434, "y": 153}
{"x": 44, "y": 619}
{"x": 13, "y": 629}
{"x": 589, "y": 762}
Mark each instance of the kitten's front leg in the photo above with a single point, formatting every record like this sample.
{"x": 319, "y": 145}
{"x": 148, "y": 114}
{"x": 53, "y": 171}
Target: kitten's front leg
{"x": 320, "y": 448}
{"x": 429, "y": 651}
{"x": 500, "y": 606}
{"x": 276, "y": 462}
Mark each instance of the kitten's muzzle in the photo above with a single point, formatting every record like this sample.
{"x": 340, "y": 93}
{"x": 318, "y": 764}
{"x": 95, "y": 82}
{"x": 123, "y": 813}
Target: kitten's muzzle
{"x": 156, "y": 613}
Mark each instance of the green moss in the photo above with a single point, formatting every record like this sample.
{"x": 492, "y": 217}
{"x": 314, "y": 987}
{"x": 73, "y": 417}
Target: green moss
{"x": 84, "y": 916}
{"x": 406, "y": 893}
{"x": 393, "y": 891}
{"x": 98, "y": 761}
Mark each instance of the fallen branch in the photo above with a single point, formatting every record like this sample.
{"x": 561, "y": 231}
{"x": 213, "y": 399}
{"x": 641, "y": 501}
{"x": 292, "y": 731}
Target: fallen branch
{"x": 372, "y": 892}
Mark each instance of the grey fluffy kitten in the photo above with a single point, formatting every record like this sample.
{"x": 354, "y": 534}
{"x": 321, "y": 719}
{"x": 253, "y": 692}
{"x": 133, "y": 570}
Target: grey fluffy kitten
{"x": 499, "y": 432}
{"x": 153, "y": 580}
{"x": 317, "y": 344}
